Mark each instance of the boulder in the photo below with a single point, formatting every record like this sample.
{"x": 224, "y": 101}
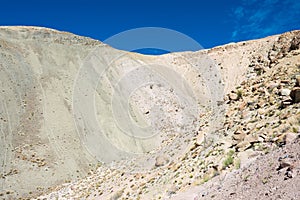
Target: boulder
{"x": 295, "y": 94}
{"x": 271, "y": 85}
{"x": 239, "y": 135}
{"x": 298, "y": 80}
{"x": 161, "y": 160}
{"x": 251, "y": 139}
{"x": 233, "y": 96}
{"x": 290, "y": 137}
{"x": 285, "y": 92}
{"x": 295, "y": 44}
{"x": 242, "y": 146}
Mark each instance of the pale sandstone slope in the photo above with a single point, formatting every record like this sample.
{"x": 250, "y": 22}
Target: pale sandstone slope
{"x": 49, "y": 132}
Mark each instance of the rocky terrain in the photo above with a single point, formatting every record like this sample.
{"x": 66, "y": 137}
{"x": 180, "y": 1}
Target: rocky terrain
{"x": 65, "y": 97}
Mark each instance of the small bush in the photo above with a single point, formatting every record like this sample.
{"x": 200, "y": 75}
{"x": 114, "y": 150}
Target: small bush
{"x": 295, "y": 130}
{"x": 239, "y": 94}
{"x": 206, "y": 179}
{"x": 237, "y": 164}
{"x": 229, "y": 160}
{"x": 259, "y": 72}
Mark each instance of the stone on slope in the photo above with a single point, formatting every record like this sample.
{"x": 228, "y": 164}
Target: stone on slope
{"x": 295, "y": 94}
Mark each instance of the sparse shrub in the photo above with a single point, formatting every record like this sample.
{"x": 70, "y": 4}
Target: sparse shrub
{"x": 259, "y": 72}
{"x": 229, "y": 160}
{"x": 237, "y": 164}
{"x": 264, "y": 180}
{"x": 239, "y": 93}
{"x": 295, "y": 129}
{"x": 206, "y": 179}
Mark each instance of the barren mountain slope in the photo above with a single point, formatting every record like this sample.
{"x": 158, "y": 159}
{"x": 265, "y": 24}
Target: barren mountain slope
{"x": 72, "y": 106}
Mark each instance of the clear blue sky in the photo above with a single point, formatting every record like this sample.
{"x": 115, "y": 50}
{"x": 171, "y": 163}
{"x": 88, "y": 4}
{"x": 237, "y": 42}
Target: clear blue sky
{"x": 211, "y": 23}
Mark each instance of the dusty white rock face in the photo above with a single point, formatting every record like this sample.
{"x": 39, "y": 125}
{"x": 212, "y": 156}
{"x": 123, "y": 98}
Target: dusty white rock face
{"x": 69, "y": 102}
{"x": 38, "y": 137}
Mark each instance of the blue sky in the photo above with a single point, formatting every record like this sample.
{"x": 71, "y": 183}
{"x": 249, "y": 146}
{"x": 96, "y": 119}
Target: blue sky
{"x": 211, "y": 23}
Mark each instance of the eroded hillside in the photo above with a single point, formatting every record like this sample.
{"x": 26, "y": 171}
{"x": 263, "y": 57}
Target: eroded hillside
{"x": 138, "y": 126}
